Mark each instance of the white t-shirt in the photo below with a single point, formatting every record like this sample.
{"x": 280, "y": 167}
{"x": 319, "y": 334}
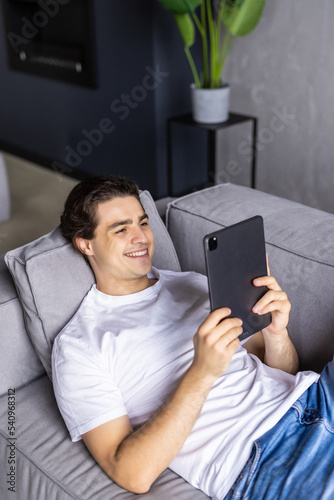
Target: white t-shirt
{"x": 122, "y": 355}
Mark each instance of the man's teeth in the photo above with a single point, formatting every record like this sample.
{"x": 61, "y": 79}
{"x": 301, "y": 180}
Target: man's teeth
{"x": 136, "y": 254}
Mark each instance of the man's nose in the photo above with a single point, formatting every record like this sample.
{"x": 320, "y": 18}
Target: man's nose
{"x": 139, "y": 234}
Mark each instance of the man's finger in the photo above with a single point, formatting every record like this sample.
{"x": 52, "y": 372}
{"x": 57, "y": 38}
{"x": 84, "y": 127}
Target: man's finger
{"x": 268, "y": 281}
{"x": 228, "y": 330}
{"x": 229, "y": 337}
{"x": 271, "y": 296}
{"x": 268, "y": 269}
{"x": 215, "y": 317}
{"x": 279, "y": 306}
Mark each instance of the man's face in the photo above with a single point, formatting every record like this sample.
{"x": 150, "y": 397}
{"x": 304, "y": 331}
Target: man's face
{"x": 122, "y": 248}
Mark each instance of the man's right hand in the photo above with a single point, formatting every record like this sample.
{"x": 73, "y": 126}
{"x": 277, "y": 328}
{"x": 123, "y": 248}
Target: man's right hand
{"x": 215, "y": 343}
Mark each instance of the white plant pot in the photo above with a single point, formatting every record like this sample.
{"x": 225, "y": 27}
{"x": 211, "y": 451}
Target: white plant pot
{"x": 210, "y": 105}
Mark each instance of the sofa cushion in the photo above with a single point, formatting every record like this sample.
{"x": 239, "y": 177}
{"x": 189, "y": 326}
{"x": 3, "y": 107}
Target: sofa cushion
{"x": 18, "y": 361}
{"x": 299, "y": 242}
{"x": 49, "y": 466}
{"x": 52, "y": 278}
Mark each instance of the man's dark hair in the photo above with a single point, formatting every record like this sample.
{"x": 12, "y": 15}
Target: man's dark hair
{"x": 78, "y": 219}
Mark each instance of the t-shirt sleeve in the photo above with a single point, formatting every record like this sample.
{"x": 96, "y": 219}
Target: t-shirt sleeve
{"x": 86, "y": 394}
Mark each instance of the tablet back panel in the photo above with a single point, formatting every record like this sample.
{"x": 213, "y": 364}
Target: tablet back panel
{"x": 235, "y": 256}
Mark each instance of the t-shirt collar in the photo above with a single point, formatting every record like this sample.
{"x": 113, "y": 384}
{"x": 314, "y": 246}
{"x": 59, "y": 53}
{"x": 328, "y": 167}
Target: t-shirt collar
{"x": 151, "y": 291}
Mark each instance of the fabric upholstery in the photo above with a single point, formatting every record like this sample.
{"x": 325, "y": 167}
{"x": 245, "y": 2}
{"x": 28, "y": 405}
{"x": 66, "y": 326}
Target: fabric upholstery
{"x": 52, "y": 278}
{"x": 299, "y": 242}
{"x": 7, "y": 289}
{"x": 18, "y": 360}
{"x": 49, "y": 466}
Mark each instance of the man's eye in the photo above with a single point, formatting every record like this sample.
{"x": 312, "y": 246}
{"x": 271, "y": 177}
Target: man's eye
{"x": 144, "y": 224}
{"x": 120, "y": 231}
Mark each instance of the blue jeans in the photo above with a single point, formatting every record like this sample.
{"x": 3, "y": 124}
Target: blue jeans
{"x": 295, "y": 459}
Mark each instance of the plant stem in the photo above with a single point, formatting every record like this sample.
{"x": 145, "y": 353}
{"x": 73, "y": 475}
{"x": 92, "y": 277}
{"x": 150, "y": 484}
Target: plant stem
{"x": 204, "y": 48}
{"x": 193, "y": 67}
{"x": 226, "y": 47}
{"x": 201, "y": 28}
{"x": 213, "y": 46}
{"x": 220, "y": 16}
{"x": 219, "y": 60}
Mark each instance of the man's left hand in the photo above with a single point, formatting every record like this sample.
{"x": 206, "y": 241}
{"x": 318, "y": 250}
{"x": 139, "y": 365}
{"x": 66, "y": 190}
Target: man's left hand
{"x": 274, "y": 301}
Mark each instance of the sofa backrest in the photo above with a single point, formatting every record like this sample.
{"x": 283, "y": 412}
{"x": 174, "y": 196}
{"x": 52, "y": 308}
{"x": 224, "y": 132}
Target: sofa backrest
{"x": 18, "y": 361}
{"x": 300, "y": 243}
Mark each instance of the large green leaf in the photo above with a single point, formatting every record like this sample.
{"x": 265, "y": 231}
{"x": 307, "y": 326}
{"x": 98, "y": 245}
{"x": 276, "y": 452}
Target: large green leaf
{"x": 241, "y": 16}
{"x": 180, "y": 6}
{"x": 186, "y": 28}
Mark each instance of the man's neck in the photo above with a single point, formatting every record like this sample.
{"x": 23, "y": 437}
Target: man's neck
{"x": 126, "y": 287}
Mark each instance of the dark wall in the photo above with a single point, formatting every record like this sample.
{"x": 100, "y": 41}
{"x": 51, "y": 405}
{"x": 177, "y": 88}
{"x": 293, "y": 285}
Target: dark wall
{"x": 140, "y": 61}
{"x": 173, "y": 98}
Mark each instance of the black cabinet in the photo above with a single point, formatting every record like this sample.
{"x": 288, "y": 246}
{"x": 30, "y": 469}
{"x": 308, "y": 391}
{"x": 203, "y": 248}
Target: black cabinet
{"x": 192, "y": 153}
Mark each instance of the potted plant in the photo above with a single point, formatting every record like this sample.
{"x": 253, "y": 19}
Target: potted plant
{"x": 232, "y": 18}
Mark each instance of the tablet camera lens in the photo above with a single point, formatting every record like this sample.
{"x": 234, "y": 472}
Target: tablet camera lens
{"x": 213, "y": 243}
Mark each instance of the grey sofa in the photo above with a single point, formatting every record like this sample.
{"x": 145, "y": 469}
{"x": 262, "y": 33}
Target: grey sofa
{"x": 43, "y": 283}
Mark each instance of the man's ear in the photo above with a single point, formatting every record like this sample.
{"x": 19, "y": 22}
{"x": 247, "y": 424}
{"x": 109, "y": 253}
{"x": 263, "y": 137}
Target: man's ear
{"x": 84, "y": 246}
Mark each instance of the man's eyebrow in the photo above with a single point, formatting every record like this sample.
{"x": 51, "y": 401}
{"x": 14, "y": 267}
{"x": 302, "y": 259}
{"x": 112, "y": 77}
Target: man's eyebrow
{"x": 125, "y": 222}
{"x": 142, "y": 217}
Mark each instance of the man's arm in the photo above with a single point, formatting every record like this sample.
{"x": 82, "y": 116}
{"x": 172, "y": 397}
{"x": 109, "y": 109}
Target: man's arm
{"x": 273, "y": 344}
{"x": 277, "y": 353}
{"x": 134, "y": 459}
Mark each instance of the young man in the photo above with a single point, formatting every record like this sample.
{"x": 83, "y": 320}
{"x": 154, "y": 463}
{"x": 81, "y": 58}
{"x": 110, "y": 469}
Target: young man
{"x": 150, "y": 379}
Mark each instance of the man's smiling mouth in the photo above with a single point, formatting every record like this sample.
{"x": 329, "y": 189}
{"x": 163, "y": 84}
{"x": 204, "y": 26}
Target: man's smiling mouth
{"x": 137, "y": 254}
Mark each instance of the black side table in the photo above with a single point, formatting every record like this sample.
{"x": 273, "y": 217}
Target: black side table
{"x": 211, "y": 136}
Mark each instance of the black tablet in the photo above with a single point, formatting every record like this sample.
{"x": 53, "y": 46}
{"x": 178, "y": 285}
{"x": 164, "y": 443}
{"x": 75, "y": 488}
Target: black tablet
{"x": 235, "y": 256}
